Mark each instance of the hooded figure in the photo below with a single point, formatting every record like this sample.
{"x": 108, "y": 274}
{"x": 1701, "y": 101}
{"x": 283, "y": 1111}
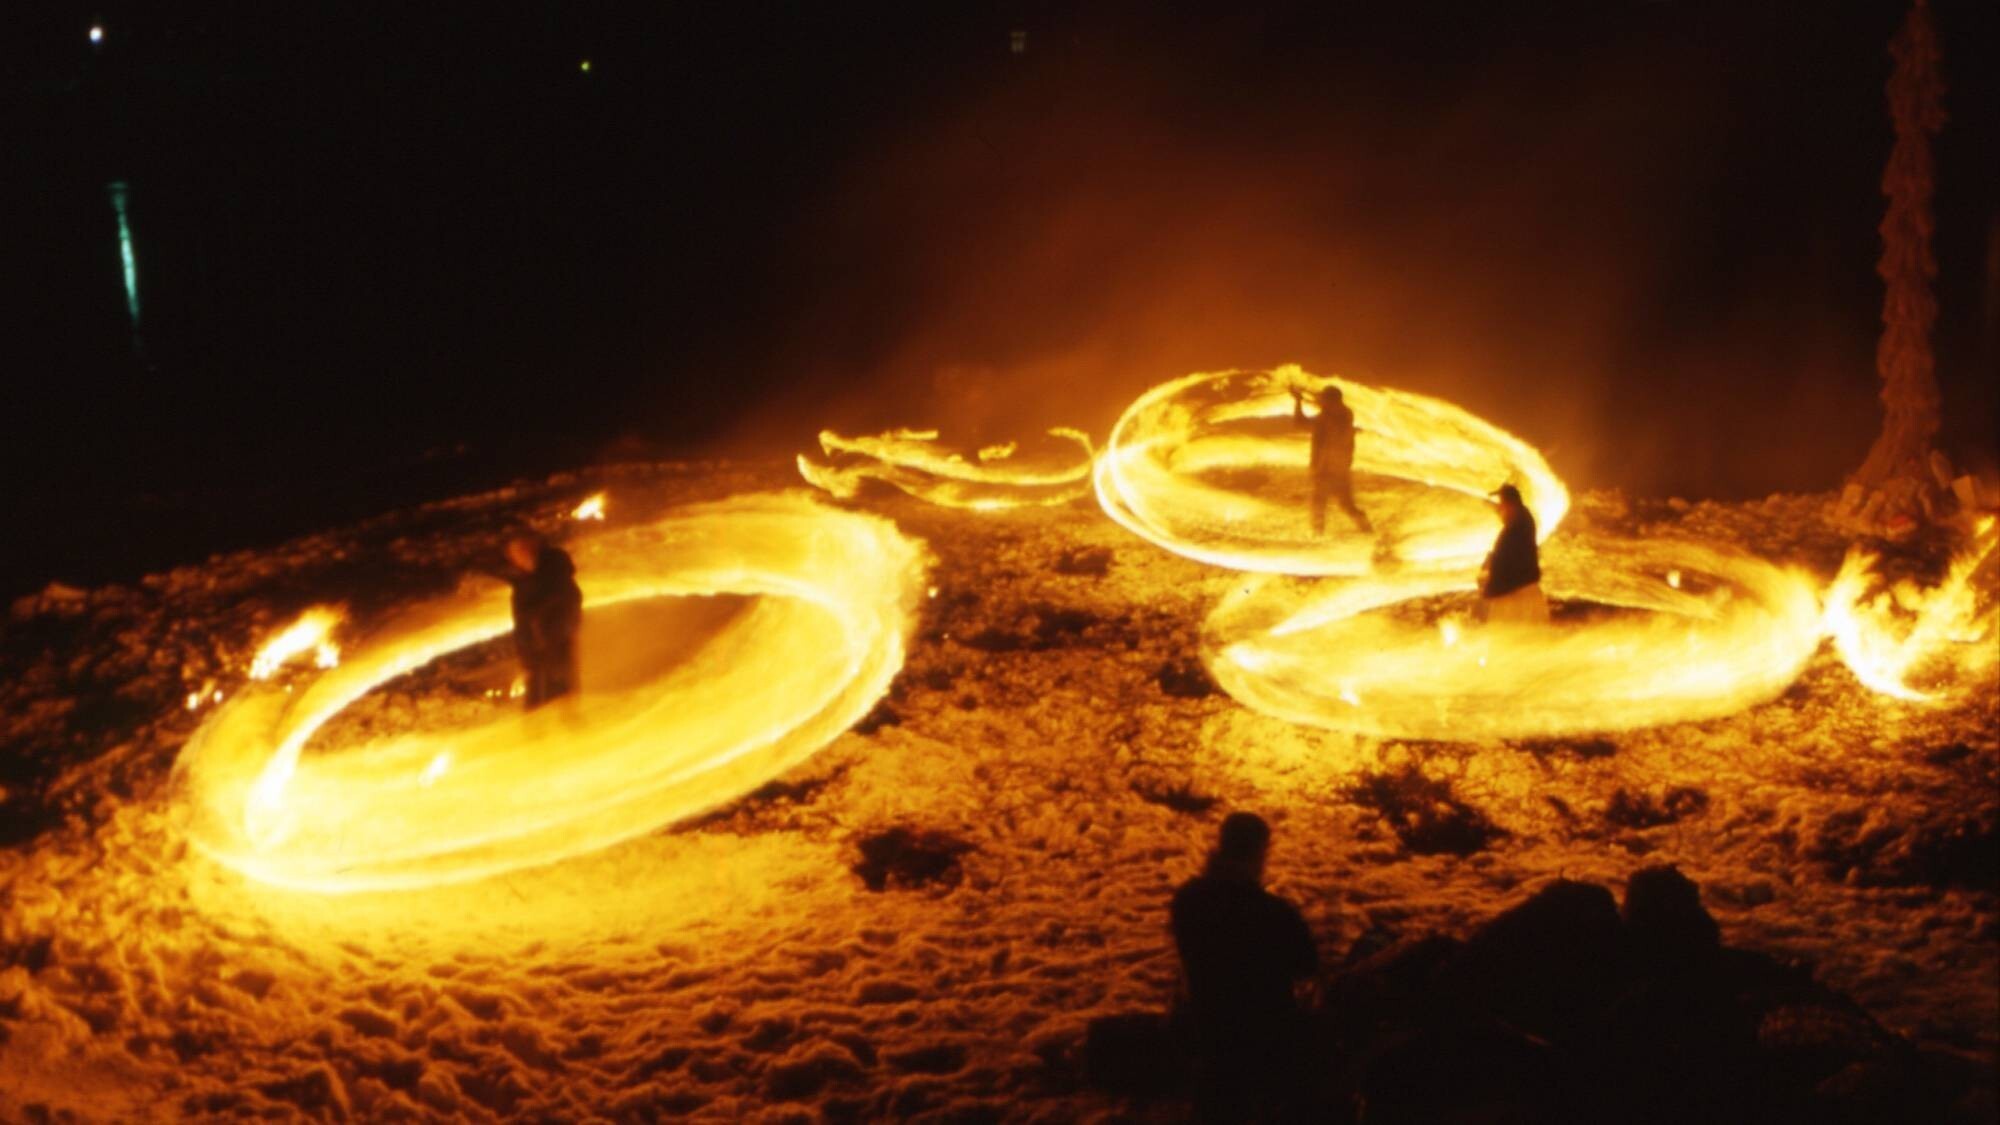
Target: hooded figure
{"x": 1332, "y": 463}
{"x": 548, "y": 609}
{"x": 1510, "y": 584}
{"x": 1242, "y": 948}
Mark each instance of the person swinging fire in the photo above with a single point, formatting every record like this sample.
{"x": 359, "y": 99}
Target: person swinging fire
{"x": 1510, "y": 583}
{"x": 1332, "y": 461}
{"x": 548, "y": 608}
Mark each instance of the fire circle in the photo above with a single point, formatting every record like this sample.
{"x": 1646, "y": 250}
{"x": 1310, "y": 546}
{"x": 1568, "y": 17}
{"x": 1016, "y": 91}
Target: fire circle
{"x": 1213, "y": 466}
{"x": 826, "y": 608}
{"x": 1652, "y": 632}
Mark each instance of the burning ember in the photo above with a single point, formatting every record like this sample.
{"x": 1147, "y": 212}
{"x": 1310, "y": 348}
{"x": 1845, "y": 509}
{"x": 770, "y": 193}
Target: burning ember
{"x": 810, "y": 652}
{"x": 997, "y": 476}
{"x": 1213, "y": 467}
{"x": 592, "y": 508}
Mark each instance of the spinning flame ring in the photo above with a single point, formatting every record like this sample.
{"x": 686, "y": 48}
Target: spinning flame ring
{"x": 1721, "y": 631}
{"x": 834, "y": 594}
{"x": 1212, "y": 466}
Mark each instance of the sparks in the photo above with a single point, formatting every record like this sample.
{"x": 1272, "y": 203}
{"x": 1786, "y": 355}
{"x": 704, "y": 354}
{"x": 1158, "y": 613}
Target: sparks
{"x": 592, "y": 508}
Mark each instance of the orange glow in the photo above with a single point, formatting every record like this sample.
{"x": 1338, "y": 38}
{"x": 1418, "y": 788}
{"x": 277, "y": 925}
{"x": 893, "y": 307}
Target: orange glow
{"x": 309, "y": 633}
{"x": 997, "y": 476}
{"x": 1372, "y": 655}
{"x": 1890, "y": 635}
{"x": 827, "y": 616}
{"x": 1213, "y": 467}
{"x": 592, "y": 508}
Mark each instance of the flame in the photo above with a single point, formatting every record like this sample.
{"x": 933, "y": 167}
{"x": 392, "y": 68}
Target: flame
{"x": 1312, "y": 654}
{"x": 832, "y": 604}
{"x": 1213, "y": 467}
{"x": 307, "y": 634}
{"x": 1354, "y": 655}
{"x": 1347, "y": 655}
{"x": 997, "y": 476}
{"x": 592, "y": 508}
{"x": 1886, "y": 636}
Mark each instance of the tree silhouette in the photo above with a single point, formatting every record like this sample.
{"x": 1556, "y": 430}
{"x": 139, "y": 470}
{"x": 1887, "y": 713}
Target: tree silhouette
{"x": 1903, "y": 358}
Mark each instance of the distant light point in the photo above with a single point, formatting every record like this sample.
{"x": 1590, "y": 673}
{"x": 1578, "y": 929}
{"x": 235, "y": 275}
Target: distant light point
{"x": 1017, "y": 42}
{"x": 96, "y": 34}
{"x": 584, "y": 66}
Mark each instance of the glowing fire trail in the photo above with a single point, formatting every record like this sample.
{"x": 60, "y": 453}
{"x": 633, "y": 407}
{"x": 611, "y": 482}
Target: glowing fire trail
{"x": 1211, "y": 466}
{"x": 1717, "y": 631}
{"x": 1363, "y": 655}
{"x": 998, "y": 476}
{"x": 811, "y": 654}
{"x": 1889, "y": 637}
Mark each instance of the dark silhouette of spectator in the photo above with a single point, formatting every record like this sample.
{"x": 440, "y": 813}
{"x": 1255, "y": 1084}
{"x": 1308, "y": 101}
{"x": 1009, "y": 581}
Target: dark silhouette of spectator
{"x": 548, "y": 609}
{"x": 1242, "y": 949}
{"x": 1332, "y": 459}
{"x": 1510, "y": 584}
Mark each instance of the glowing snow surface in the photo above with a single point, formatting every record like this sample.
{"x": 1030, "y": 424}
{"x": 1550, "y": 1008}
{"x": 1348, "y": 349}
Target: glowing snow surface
{"x": 809, "y": 656}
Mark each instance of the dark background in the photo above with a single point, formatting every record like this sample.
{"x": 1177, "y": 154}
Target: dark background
{"x": 392, "y": 253}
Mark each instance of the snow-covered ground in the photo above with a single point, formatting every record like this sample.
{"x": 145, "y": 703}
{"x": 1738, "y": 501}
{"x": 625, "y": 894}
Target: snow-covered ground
{"x": 1050, "y": 743}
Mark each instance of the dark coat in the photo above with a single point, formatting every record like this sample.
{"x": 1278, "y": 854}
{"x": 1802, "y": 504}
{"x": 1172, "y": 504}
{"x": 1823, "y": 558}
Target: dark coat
{"x": 548, "y": 609}
{"x": 1241, "y": 949}
{"x": 1332, "y": 438}
{"x": 1516, "y": 561}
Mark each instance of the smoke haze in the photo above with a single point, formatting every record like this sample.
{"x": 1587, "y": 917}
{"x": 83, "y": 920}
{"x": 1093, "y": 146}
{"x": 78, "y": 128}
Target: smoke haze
{"x": 1573, "y": 230}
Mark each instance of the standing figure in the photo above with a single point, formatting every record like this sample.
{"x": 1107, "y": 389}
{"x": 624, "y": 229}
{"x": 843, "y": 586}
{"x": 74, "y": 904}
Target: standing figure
{"x": 1510, "y": 584}
{"x": 1242, "y": 948}
{"x": 1332, "y": 463}
{"x": 548, "y": 609}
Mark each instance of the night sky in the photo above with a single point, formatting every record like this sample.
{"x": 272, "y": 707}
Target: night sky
{"x": 393, "y": 255}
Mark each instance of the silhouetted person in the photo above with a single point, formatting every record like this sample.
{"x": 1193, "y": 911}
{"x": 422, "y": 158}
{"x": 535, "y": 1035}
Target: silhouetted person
{"x": 548, "y": 609}
{"x": 1242, "y": 948}
{"x": 1332, "y": 461}
{"x": 1510, "y": 584}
